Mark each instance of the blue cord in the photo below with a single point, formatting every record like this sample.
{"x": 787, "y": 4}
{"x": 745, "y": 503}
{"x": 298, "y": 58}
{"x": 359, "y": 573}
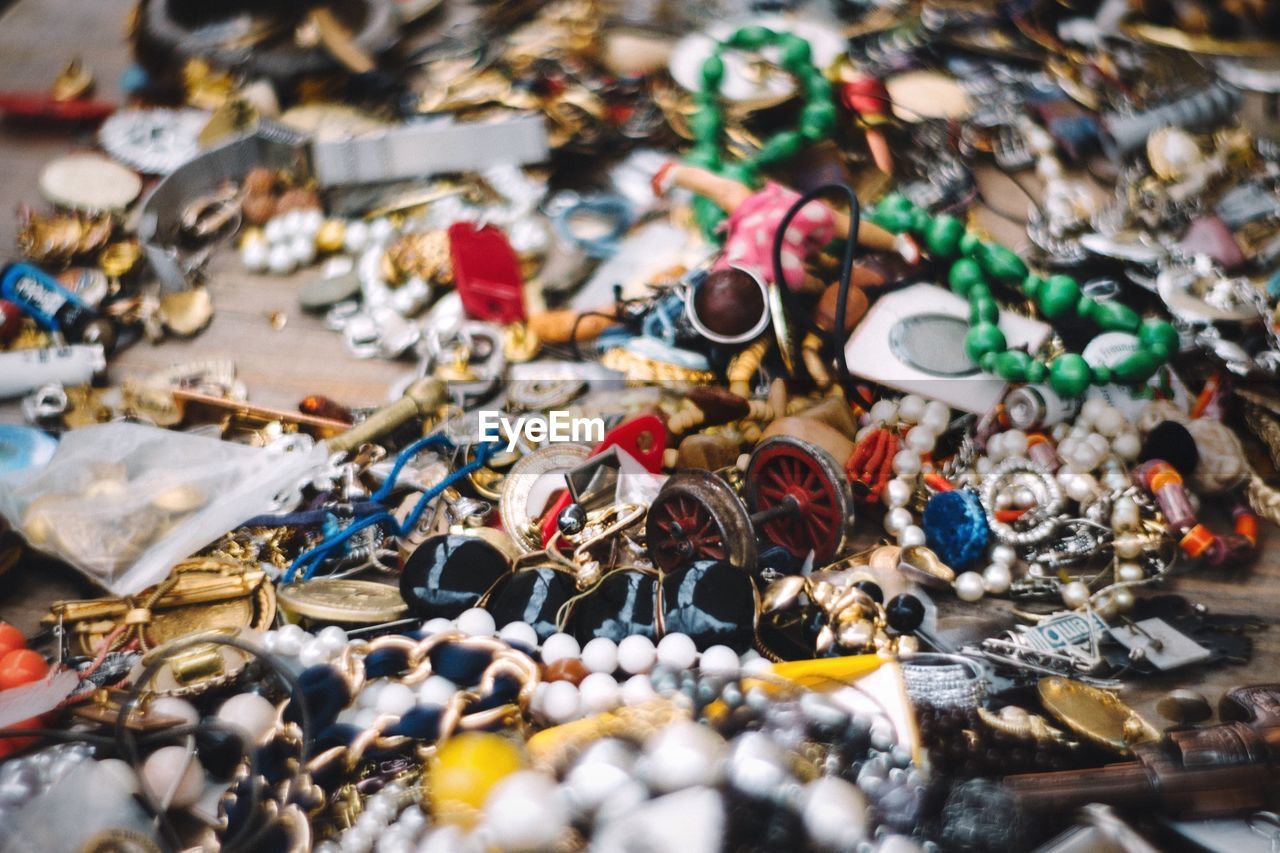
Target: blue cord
{"x": 310, "y": 561}
{"x": 614, "y": 209}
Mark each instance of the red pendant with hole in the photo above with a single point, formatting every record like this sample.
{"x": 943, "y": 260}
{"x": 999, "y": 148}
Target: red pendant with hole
{"x": 487, "y": 273}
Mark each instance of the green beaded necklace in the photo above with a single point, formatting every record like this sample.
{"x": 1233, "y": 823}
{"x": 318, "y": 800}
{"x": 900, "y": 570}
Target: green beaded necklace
{"x": 974, "y": 264}
{"x": 817, "y": 118}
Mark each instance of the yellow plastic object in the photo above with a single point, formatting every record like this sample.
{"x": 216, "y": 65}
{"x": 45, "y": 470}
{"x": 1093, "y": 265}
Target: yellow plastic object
{"x": 463, "y": 772}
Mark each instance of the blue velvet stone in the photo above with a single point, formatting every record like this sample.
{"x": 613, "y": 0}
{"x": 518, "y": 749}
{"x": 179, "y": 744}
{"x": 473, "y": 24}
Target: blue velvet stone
{"x": 325, "y": 693}
{"x": 955, "y": 527}
{"x": 385, "y": 663}
{"x": 505, "y": 689}
{"x": 421, "y": 722}
{"x": 459, "y": 664}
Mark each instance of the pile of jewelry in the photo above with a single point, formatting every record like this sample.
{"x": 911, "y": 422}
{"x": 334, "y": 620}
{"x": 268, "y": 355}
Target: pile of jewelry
{"x": 761, "y": 474}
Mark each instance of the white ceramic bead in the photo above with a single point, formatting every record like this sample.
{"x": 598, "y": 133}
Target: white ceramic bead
{"x": 170, "y": 768}
{"x": 255, "y": 255}
{"x": 252, "y": 713}
{"x": 437, "y": 625}
{"x": 996, "y": 578}
{"x": 1015, "y": 443}
{"x": 120, "y": 773}
{"x": 368, "y": 696}
{"x": 677, "y": 651}
{"x": 1048, "y": 168}
{"x": 969, "y": 586}
{"x": 911, "y": 535}
{"x": 380, "y": 230}
{"x": 355, "y": 236}
{"x": 884, "y": 412}
{"x": 1004, "y": 555}
{"x": 524, "y": 812}
{"x": 937, "y": 416}
{"x": 1059, "y": 431}
{"x": 1083, "y": 487}
{"x": 921, "y": 439}
{"x": 395, "y": 699}
{"x": 599, "y": 693}
{"x": 521, "y": 633}
{"x": 1128, "y": 572}
{"x": 1100, "y": 443}
{"x": 1127, "y": 547}
{"x": 600, "y": 655}
{"x": 1127, "y": 446}
{"x": 1109, "y": 422}
{"x": 561, "y": 702}
{"x": 1075, "y": 594}
{"x": 172, "y": 706}
{"x": 313, "y": 652}
{"x": 476, "y": 622}
{"x": 995, "y": 447}
{"x": 280, "y": 260}
{"x": 984, "y": 465}
{"x": 1115, "y": 479}
{"x": 636, "y": 654}
{"x": 1125, "y": 514}
{"x": 276, "y": 231}
{"x": 637, "y": 690}
{"x": 1092, "y": 410}
{"x": 364, "y": 718}
{"x": 1123, "y": 599}
{"x": 911, "y": 408}
{"x": 896, "y": 520}
{"x": 291, "y": 223}
{"x": 303, "y": 249}
{"x": 835, "y": 813}
{"x": 560, "y": 647}
{"x": 309, "y": 221}
{"x": 681, "y": 755}
{"x": 906, "y": 463}
{"x": 333, "y": 637}
{"x": 897, "y": 492}
{"x": 720, "y": 661}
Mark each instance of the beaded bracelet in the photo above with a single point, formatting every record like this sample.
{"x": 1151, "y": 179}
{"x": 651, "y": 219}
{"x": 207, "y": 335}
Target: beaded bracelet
{"x": 817, "y": 117}
{"x": 975, "y": 264}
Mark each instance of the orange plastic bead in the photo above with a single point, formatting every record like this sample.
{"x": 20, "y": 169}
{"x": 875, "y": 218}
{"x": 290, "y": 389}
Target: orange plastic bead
{"x": 10, "y": 638}
{"x": 1166, "y": 476}
{"x": 1247, "y": 526}
{"x": 21, "y": 666}
{"x": 1197, "y": 541}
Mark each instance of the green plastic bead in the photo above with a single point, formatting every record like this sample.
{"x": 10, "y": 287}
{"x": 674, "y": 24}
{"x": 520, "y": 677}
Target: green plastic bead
{"x": 751, "y": 38}
{"x": 981, "y": 290}
{"x": 983, "y": 338}
{"x": 1137, "y": 366}
{"x": 706, "y": 156}
{"x": 817, "y": 120}
{"x": 706, "y": 126}
{"x": 1086, "y": 306}
{"x": 1153, "y": 332}
{"x": 1101, "y": 375}
{"x": 1059, "y": 296}
{"x": 988, "y": 362}
{"x": 984, "y": 310}
{"x": 1032, "y": 285}
{"x": 921, "y": 222}
{"x": 965, "y": 273}
{"x": 783, "y": 146}
{"x": 712, "y": 71}
{"x": 1036, "y": 371}
{"x": 893, "y": 220}
{"x": 795, "y": 53}
{"x": 969, "y": 244}
{"x": 743, "y": 172}
{"x": 1115, "y": 317}
{"x": 895, "y": 202}
{"x": 943, "y": 236}
{"x": 1001, "y": 263}
{"x": 1011, "y": 365}
{"x": 816, "y": 85}
{"x": 1069, "y": 375}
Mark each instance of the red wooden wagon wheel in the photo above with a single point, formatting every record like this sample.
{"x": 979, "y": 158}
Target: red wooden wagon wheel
{"x": 698, "y": 516}
{"x": 799, "y": 497}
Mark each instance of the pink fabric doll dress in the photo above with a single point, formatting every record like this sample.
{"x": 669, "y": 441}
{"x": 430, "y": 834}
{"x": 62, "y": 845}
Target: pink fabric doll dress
{"x": 751, "y": 227}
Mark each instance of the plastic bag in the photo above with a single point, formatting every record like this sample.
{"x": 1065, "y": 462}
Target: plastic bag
{"x": 124, "y": 503}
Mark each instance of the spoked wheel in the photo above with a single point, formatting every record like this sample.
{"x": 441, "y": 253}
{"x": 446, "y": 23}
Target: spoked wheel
{"x": 785, "y": 470}
{"x": 698, "y": 516}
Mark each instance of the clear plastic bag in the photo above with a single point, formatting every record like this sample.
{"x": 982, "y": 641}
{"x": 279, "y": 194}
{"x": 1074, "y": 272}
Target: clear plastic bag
{"x": 125, "y": 502}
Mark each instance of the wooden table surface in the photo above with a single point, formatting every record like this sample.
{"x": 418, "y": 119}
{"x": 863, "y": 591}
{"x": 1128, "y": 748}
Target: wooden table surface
{"x": 280, "y": 367}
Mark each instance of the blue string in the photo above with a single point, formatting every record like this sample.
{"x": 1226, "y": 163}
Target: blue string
{"x": 310, "y": 561}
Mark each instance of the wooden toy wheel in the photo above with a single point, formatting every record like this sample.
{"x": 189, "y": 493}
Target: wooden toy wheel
{"x": 698, "y": 516}
{"x": 785, "y": 469}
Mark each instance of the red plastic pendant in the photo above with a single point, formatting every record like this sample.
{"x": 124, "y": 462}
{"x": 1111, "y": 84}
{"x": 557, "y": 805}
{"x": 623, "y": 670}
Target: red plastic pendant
{"x": 487, "y": 273}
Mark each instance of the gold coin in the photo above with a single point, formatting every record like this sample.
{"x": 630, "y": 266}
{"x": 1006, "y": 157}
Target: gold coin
{"x": 343, "y": 600}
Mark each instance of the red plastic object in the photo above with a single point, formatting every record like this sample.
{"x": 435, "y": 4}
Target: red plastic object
{"x": 644, "y": 437}
{"x": 10, "y": 638}
{"x": 21, "y": 666}
{"x": 32, "y": 105}
{"x": 487, "y": 273}
{"x": 12, "y": 745}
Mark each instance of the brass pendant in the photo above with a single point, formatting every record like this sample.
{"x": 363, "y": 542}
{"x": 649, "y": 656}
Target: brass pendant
{"x": 1095, "y": 715}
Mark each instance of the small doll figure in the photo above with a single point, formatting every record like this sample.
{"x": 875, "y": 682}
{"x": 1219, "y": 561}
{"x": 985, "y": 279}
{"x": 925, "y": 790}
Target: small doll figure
{"x": 754, "y": 217}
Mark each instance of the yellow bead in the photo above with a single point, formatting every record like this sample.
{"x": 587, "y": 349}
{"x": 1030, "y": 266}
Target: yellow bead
{"x": 463, "y": 772}
{"x": 330, "y": 236}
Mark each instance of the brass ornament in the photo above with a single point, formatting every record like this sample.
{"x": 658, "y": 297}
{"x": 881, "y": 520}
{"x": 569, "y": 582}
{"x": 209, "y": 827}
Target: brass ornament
{"x": 1095, "y": 715}
{"x": 350, "y": 602}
